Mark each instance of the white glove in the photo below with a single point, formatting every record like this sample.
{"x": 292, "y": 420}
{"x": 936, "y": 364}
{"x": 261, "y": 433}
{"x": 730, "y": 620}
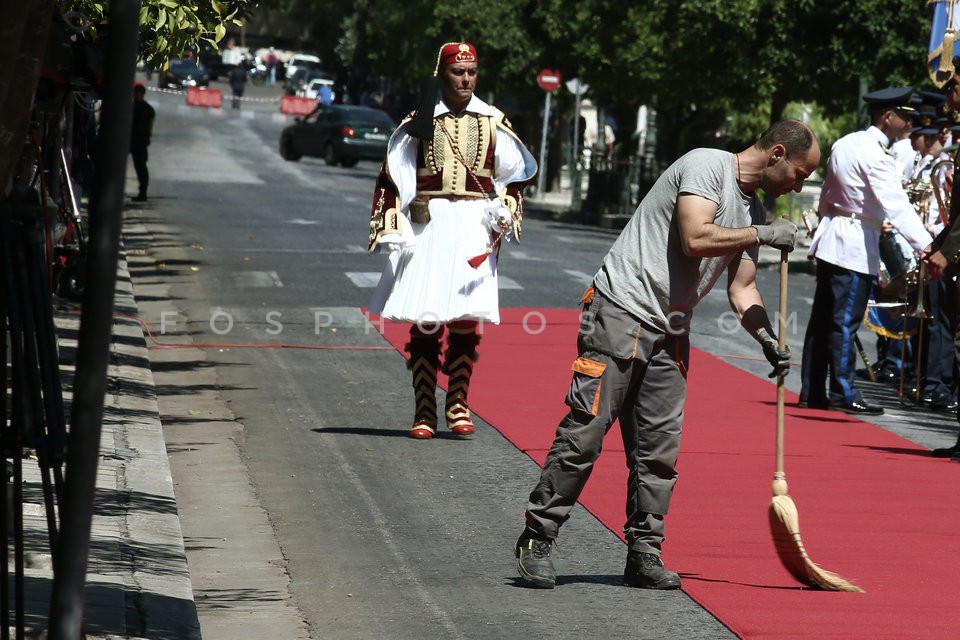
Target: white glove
{"x": 499, "y": 219}
{"x": 391, "y": 242}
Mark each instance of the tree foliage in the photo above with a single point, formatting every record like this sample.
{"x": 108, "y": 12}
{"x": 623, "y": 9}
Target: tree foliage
{"x": 717, "y": 71}
{"x": 168, "y": 27}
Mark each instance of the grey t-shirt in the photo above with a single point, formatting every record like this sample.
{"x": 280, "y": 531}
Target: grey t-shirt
{"x": 646, "y": 272}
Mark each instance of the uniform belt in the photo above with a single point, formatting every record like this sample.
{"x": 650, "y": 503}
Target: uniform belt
{"x": 420, "y": 213}
{"x": 869, "y": 223}
{"x": 453, "y": 197}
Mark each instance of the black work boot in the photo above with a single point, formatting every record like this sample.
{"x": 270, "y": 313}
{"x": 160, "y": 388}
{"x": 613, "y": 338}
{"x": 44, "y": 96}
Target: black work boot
{"x": 947, "y": 452}
{"x": 645, "y": 571}
{"x": 533, "y": 561}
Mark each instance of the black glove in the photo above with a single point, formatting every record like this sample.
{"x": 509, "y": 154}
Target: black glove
{"x": 771, "y": 350}
{"x": 779, "y": 234}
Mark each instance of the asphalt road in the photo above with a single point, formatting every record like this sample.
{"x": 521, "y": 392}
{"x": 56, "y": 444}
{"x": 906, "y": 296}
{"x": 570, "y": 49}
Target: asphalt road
{"x": 364, "y": 533}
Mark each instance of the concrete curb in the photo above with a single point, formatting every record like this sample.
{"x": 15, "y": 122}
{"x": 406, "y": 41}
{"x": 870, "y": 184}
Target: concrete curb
{"x": 138, "y": 585}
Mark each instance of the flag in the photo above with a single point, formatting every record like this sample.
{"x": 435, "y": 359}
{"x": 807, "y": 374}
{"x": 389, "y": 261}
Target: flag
{"x": 943, "y": 40}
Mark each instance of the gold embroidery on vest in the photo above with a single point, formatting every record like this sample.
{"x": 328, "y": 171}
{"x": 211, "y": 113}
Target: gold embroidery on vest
{"x": 471, "y": 139}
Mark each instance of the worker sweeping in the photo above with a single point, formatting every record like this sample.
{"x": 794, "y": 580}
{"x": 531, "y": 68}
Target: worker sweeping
{"x": 701, "y": 219}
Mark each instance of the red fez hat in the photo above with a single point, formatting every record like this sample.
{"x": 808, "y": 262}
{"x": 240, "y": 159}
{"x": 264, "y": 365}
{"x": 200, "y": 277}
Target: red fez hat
{"x": 454, "y": 52}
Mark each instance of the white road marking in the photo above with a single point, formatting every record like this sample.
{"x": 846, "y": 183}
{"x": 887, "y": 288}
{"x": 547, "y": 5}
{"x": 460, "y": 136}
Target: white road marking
{"x": 507, "y": 283}
{"x": 339, "y": 317}
{"x": 579, "y": 276}
{"x": 257, "y": 279}
{"x": 364, "y": 279}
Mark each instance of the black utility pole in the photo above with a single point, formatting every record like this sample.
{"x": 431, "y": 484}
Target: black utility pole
{"x": 96, "y": 324}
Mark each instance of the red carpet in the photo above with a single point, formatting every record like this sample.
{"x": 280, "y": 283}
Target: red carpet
{"x": 874, "y": 508}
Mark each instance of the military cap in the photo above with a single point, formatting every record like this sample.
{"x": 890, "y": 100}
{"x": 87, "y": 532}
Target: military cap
{"x": 926, "y": 121}
{"x": 891, "y": 98}
{"x": 927, "y": 127}
{"x": 931, "y": 98}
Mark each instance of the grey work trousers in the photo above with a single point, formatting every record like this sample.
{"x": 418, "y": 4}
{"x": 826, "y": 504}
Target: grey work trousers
{"x": 629, "y": 370}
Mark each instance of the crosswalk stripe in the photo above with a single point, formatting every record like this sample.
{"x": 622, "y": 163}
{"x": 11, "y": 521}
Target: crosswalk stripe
{"x": 325, "y": 317}
{"x": 364, "y": 279}
{"x": 579, "y": 276}
{"x": 257, "y": 279}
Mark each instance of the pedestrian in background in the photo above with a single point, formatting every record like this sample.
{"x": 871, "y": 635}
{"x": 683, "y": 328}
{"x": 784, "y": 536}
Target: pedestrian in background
{"x": 271, "y": 60}
{"x": 449, "y": 189}
{"x": 140, "y": 132}
{"x": 238, "y": 82}
{"x": 702, "y": 218}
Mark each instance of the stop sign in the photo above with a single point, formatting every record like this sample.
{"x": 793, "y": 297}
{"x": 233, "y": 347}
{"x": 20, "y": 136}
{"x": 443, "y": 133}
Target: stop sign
{"x": 549, "y": 79}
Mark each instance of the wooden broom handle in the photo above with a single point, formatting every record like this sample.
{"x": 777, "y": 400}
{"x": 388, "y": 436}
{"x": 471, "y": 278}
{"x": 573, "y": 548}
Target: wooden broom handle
{"x": 779, "y": 477}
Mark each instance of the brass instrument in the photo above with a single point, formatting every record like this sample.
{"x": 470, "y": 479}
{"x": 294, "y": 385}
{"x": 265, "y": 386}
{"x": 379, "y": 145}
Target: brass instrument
{"x": 919, "y": 310}
{"x": 919, "y": 191}
{"x": 943, "y": 195}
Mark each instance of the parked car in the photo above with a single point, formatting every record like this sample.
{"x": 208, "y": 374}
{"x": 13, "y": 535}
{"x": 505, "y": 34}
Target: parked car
{"x": 182, "y": 73}
{"x": 301, "y": 61}
{"x": 295, "y": 83}
{"x": 340, "y": 134}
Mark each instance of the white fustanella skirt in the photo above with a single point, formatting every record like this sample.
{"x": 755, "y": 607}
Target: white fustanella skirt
{"x": 431, "y": 281}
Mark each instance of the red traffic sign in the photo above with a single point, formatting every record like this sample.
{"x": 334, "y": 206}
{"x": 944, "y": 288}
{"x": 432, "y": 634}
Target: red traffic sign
{"x": 549, "y": 79}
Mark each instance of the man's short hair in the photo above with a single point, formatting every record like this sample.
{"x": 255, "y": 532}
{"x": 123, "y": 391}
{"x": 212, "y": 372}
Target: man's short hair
{"x": 795, "y": 136}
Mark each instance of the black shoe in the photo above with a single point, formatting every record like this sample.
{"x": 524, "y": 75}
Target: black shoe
{"x": 885, "y": 375}
{"x": 937, "y": 401}
{"x": 880, "y": 373}
{"x": 645, "y": 571}
{"x": 813, "y": 404}
{"x": 858, "y": 408}
{"x": 140, "y": 197}
{"x": 533, "y": 561}
{"x": 946, "y": 452}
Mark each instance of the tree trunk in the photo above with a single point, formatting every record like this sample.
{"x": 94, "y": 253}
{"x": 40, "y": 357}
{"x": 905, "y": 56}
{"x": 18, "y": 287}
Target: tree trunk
{"x": 23, "y": 38}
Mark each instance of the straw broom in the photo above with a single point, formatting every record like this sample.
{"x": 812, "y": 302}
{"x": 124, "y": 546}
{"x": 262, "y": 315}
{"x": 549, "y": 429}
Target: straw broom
{"x": 784, "y": 519}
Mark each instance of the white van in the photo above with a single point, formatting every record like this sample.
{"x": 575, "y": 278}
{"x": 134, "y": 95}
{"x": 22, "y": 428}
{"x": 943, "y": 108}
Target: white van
{"x": 300, "y": 60}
